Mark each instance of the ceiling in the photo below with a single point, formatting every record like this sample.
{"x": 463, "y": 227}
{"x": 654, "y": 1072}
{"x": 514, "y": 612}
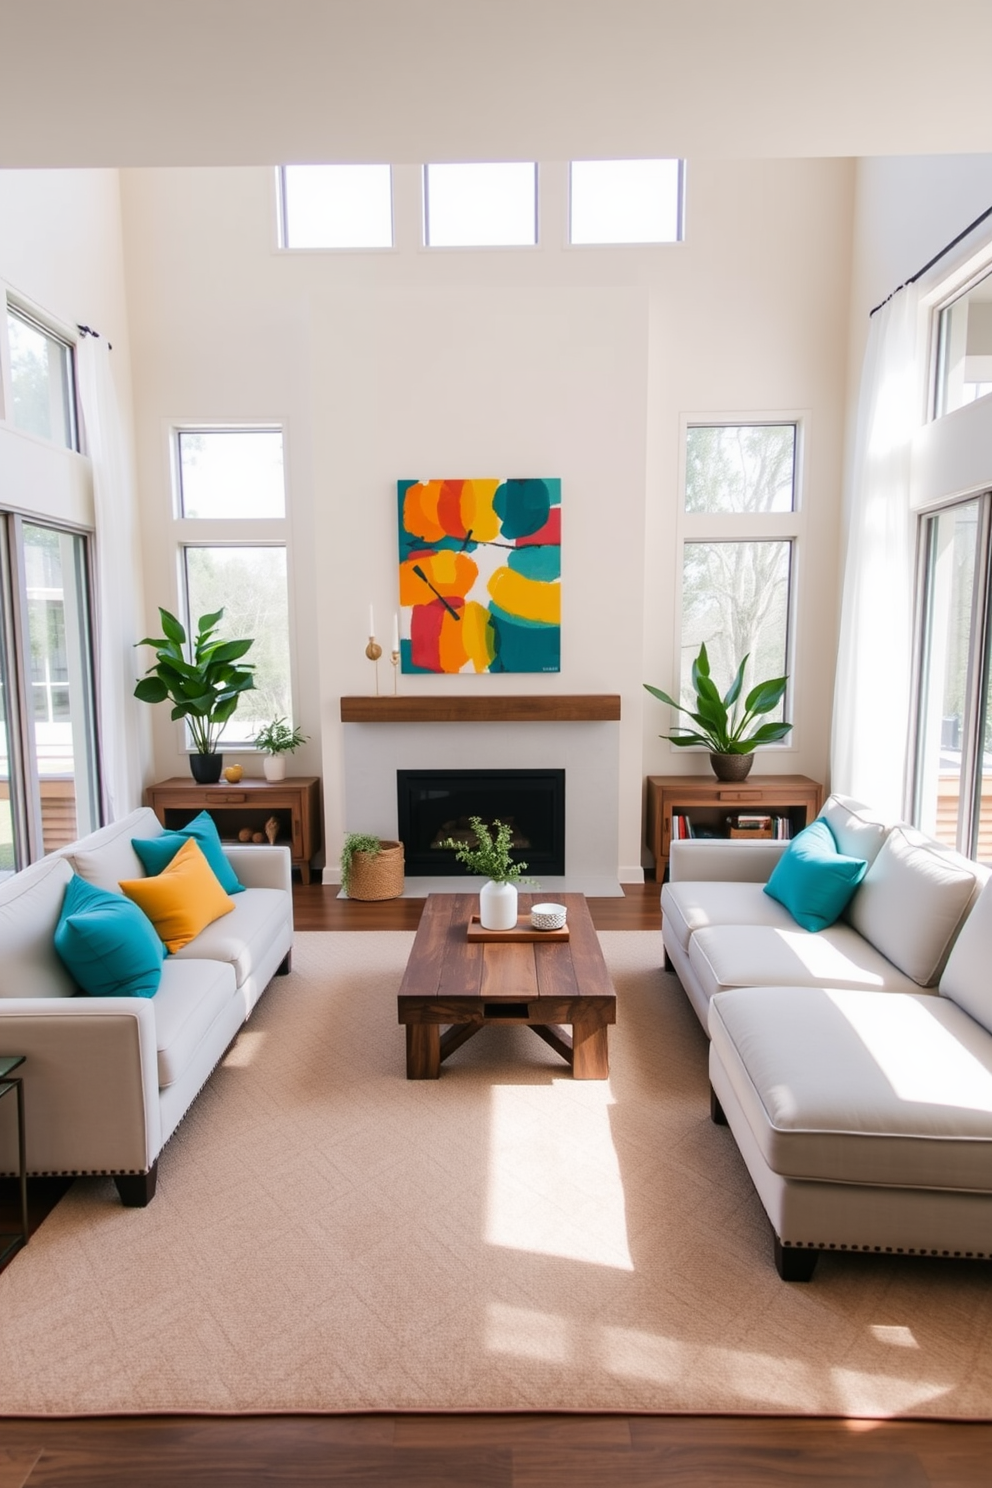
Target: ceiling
{"x": 228, "y": 82}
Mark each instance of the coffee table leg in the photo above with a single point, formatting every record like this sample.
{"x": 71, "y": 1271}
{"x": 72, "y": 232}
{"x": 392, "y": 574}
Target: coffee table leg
{"x": 423, "y": 1051}
{"x": 590, "y": 1051}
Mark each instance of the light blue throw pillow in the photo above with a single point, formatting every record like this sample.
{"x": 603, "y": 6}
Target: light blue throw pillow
{"x": 813, "y": 880}
{"x": 108, "y": 945}
{"x": 156, "y": 853}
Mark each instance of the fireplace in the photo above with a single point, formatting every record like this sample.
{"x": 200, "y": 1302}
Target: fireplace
{"x": 433, "y": 805}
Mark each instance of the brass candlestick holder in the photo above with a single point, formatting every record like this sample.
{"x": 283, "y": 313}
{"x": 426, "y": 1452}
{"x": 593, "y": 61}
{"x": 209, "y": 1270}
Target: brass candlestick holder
{"x": 394, "y": 657}
{"x": 373, "y": 651}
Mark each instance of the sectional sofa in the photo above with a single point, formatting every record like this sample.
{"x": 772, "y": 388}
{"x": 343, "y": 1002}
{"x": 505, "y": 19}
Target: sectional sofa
{"x": 108, "y": 1079}
{"x": 853, "y": 1063}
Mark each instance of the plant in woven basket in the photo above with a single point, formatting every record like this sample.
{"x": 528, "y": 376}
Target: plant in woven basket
{"x": 490, "y": 855}
{"x": 355, "y": 842}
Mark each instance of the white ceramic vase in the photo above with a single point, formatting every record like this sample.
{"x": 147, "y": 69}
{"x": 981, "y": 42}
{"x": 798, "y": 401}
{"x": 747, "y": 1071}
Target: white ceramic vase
{"x": 498, "y": 906}
{"x": 274, "y": 766}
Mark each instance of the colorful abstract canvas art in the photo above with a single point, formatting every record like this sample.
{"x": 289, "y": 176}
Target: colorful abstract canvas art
{"x": 480, "y": 575}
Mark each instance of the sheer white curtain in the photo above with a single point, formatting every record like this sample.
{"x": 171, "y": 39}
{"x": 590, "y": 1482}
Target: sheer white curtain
{"x": 874, "y": 660}
{"x": 118, "y": 584}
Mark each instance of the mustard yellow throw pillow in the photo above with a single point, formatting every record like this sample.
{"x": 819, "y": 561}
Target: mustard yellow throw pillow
{"x": 183, "y": 899}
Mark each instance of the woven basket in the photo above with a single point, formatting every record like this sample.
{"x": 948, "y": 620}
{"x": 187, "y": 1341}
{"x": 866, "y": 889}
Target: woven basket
{"x": 378, "y": 875}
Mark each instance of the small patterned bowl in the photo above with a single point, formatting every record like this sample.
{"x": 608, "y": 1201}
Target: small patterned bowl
{"x": 548, "y": 916}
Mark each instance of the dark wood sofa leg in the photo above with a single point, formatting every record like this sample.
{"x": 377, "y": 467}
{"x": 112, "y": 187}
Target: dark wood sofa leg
{"x": 285, "y": 965}
{"x": 717, "y": 1115}
{"x": 795, "y": 1263}
{"x": 137, "y": 1189}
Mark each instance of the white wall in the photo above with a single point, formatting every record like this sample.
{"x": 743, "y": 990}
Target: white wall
{"x": 570, "y": 363}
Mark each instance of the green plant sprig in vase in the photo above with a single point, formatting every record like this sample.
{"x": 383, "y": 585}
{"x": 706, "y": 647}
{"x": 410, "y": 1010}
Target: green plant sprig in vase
{"x": 276, "y": 740}
{"x": 722, "y": 731}
{"x": 490, "y": 857}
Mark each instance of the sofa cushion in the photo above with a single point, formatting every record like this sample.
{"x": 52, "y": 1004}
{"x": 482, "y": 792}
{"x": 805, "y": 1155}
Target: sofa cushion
{"x": 242, "y": 937}
{"x": 967, "y": 978}
{"x": 813, "y": 880}
{"x": 106, "y": 856}
{"x": 761, "y": 955}
{"x": 857, "y": 831}
{"x": 30, "y": 906}
{"x": 181, "y": 900}
{"x": 855, "y": 1087}
{"x": 190, "y": 999}
{"x": 156, "y": 853}
{"x": 108, "y": 945}
{"x": 690, "y": 905}
{"x": 912, "y": 902}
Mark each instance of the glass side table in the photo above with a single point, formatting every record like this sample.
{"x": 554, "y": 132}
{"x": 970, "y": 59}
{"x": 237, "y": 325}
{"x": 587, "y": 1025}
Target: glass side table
{"x": 12, "y": 1084}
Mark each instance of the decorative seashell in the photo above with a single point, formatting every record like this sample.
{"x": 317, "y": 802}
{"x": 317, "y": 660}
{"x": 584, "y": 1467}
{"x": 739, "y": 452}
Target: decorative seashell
{"x": 272, "y": 828}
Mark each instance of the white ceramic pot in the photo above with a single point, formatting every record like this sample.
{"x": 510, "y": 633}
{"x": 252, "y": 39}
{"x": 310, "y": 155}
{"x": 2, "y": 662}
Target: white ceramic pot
{"x": 274, "y": 766}
{"x": 498, "y": 906}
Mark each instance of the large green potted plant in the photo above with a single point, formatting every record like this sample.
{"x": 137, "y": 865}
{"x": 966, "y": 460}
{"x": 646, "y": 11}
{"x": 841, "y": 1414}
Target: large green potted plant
{"x": 722, "y": 731}
{"x": 204, "y": 689}
{"x": 489, "y": 855}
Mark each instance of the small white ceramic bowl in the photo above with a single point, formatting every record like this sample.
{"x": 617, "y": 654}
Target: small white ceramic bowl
{"x": 548, "y": 916}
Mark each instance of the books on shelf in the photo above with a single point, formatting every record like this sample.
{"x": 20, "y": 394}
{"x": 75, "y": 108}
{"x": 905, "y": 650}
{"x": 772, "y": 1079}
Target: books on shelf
{"x": 743, "y": 824}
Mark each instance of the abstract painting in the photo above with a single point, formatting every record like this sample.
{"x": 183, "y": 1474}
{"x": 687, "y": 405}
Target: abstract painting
{"x": 480, "y": 575}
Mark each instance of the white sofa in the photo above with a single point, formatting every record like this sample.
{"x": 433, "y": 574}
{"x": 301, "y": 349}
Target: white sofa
{"x": 853, "y": 1064}
{"x": 108, "y": 1079}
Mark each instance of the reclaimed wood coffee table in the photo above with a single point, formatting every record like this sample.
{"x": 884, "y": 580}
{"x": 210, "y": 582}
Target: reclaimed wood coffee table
{"x": 460, "y": 985}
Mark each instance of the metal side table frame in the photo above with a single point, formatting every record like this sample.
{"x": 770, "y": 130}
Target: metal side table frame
{"x": 9, "y": 1082}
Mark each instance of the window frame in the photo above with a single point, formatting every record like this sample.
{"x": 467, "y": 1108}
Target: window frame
{"x": 36, "y": 321}
{"x": 730, "y": 527}
{"x": 428, "y": 247}
{"x": 283, "y": 245}
{"x": 623, "y": 243}
{"x": 229, "y": 532}
{"x": 979, "y": 665}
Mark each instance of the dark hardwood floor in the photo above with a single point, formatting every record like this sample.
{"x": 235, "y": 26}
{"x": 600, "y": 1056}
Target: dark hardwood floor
{"x": 474, "y": 1451}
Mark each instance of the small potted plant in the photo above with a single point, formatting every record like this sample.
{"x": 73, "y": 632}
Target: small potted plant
{"x": 490, "y": 857}
{"x": 371, "y": 867}
{"x": 723, "y": 734}
{"x": 204, "y": 690}
{"x": 276, "y": 740}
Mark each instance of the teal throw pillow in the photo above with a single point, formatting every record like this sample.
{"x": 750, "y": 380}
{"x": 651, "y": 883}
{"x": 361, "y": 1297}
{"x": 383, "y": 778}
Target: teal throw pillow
{"x": 813, "y": 880}
{"x": 156, "y": 853}
{"x": 108, "y": 945}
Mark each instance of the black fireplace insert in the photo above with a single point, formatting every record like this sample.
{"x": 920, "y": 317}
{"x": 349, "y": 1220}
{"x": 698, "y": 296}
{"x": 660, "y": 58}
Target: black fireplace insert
{"x": 434, "y": 805}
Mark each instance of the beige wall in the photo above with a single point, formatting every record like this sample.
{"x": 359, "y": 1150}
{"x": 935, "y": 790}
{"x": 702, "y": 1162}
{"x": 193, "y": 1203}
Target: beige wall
{"x": 574, "y": 363}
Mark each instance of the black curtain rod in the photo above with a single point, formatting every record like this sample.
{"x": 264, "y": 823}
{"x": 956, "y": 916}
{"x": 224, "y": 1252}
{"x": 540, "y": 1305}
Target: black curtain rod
{"x": 936, "y": 258}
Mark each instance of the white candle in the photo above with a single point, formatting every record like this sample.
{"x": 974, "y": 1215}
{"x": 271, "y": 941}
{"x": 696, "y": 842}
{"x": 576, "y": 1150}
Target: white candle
{"x": 396, "y": 633}
{"x": 371, "y": 622}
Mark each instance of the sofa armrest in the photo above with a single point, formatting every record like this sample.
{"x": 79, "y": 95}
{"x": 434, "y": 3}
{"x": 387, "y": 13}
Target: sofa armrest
{"x": 261, "y": 866}
{"x": 91, "y": 1097}
{"x": 724, "y": 859}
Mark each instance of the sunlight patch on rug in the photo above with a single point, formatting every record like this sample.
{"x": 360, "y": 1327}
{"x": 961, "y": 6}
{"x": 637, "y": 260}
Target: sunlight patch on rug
{"x": 554, "y": 1186}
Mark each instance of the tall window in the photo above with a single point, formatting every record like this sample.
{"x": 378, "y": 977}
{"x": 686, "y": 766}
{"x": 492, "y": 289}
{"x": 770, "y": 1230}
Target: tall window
{"x": 953, "y": 778}
{"x": 42, "y": 380}
{"x": 231, "y": 528}
{"x": 739, "y": 527}
{"x": 481, "y": 204}
{"x": 49, "y": 792}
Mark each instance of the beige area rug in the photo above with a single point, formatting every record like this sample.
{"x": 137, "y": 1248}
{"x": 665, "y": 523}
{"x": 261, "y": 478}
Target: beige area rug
{"x": 328, "y": 1236}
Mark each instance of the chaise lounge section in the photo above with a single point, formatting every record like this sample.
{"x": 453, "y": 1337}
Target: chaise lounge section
{"x": 858, "y": 1089}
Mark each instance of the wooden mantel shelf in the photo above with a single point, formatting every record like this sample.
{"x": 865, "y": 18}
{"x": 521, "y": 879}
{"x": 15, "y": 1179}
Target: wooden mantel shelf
{"x": 538, "y": 708}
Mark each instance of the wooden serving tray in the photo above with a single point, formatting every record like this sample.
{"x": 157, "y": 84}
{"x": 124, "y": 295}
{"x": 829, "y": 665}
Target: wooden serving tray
{"x": 522, "y": 930}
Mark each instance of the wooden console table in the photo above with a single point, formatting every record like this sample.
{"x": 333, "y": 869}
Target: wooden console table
{"x": 294, "y": 802}
{"x": 709, "y": 803}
